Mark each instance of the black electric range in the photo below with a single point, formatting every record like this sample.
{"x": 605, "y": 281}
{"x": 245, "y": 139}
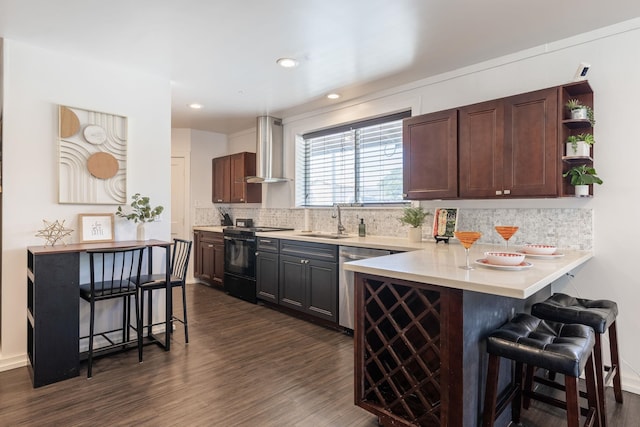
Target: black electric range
{"x": 249, "y": 231}
{"x": 240, "y": 246}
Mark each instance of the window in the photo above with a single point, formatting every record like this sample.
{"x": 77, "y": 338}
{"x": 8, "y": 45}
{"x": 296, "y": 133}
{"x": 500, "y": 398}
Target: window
{"x": 359, "y": 163}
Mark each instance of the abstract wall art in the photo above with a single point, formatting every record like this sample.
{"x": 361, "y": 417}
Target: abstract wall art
{"x": 92, "y": 157}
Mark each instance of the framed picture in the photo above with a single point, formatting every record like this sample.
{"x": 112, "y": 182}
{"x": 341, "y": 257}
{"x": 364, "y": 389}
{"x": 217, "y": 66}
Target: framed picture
{"x": 96, "y": 227}
{"x": 445, "y": 222}
{"x": 92, "y": 157}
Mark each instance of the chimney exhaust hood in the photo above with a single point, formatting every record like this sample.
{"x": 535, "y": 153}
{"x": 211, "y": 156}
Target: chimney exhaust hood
{"x": 269, "y": 151}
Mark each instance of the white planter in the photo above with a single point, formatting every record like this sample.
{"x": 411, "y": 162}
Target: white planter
{"x": 415, "y": 234}
{"x": 581, "y": 190}
{"x": 579, "y": 113}
{"x": 582, "y": 149}
{"x": 141, "y": 231}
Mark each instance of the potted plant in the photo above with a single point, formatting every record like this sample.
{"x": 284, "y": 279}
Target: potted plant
{"x": 141, "y": 212}
{"x": 581, "y": 177}
{"x": 414, "y": 217}
{"x": 580, "y": 111}
{"x": 580, "y": 145}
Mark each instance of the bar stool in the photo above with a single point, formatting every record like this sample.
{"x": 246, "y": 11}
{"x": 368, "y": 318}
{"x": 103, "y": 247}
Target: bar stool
{"x": 563, "y": 348}
{"x": 599, "y": 315}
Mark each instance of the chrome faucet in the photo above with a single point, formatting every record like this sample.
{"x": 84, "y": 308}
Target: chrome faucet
{"x": 336, "y": 214}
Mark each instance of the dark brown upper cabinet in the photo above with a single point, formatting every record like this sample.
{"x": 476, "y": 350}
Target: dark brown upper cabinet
{"x": 509, "y": 147}
{"x": 228, "y": 174}
{"x": 430, "y": 156}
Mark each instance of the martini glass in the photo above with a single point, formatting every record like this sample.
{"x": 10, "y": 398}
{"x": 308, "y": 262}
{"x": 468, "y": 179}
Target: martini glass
{"x": 506, "y": 231}
{"x": 467, "y": 238}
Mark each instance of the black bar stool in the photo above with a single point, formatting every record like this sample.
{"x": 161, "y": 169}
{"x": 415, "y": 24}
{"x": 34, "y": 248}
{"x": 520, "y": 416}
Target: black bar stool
{"x": 599, "y": 315}
{"x": 563, "y": 348}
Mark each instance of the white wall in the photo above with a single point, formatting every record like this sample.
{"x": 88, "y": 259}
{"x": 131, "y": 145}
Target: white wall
{"x": 35, "y": 82}
{"x": 205, "y": 146}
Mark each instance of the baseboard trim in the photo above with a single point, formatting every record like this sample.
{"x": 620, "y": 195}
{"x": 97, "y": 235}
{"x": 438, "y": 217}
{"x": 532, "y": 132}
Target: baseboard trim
{"x": 632, "y": 385}
{"x": 6, "y": 364}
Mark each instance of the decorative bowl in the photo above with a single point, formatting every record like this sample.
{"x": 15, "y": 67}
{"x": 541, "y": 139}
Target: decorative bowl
{"x": 504, "y": 258}
{"x": 539, "y": 249}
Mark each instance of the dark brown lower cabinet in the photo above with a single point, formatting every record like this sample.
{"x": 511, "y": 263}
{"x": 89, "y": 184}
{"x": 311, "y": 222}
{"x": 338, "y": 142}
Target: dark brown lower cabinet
{"x": 419, "y": 351}
{"x": 209, "y": 257}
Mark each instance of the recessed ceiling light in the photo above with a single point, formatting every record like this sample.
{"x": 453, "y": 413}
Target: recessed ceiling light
{"x": 195, "y": 106}
{"x": 333, "y": 96}
{"x": 287, "y": 62}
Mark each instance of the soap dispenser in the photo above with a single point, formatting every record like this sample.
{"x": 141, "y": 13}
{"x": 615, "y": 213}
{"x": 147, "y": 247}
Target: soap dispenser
{"x": 362, "y": 228}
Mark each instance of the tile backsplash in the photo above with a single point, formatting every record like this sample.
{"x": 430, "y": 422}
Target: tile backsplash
{"x": 563, "y": 227}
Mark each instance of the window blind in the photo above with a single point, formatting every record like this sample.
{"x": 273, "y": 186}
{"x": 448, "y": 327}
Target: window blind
{"x": 360, "y": 163}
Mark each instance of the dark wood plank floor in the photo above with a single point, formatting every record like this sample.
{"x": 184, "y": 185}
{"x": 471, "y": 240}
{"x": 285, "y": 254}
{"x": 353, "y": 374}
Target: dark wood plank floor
{"x": 246, "y": 365}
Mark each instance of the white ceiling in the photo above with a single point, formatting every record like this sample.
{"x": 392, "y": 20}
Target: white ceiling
{"x": 222, "y": 53}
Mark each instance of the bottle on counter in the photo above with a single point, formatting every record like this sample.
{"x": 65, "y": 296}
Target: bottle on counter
{"x": 362, "y": 228}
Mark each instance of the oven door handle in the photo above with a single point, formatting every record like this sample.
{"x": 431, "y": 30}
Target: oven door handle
{"x": 240, "y": 239}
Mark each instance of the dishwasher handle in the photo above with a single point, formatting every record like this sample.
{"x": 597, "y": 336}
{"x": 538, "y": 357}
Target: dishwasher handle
{"x": 353, "y": 257}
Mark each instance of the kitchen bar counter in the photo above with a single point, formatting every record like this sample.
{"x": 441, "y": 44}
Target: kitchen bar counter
{"x": 440, "y": 265}
{"x": 421, "y": 324}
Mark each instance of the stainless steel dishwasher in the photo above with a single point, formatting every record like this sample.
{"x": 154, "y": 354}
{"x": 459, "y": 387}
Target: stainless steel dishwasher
{"x": 345, "y": 285}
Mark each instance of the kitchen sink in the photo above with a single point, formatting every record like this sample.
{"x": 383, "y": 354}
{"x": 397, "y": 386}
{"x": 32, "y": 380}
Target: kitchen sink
{"x": 325, "y": 235}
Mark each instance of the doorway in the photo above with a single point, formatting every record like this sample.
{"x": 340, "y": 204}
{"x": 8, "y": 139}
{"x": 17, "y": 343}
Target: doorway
{"x": 179, "y": 198}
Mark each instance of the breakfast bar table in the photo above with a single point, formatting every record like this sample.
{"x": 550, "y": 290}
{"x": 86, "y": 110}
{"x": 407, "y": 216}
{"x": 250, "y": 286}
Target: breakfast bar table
{"x": 421, "y": 323}
{"x": 53, "y": 278}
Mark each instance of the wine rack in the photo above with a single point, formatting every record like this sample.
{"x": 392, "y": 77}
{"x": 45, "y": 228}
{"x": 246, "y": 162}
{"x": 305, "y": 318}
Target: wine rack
{"x": 402, "y": 354}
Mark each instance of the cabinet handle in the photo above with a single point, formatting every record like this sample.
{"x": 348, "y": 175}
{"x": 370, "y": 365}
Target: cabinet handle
{"x": 257, "y": 253}
{"x": 209, "y": 246}
{"x": 301, "y": 261}
{"x": 405, "y": 195}
{"x": 507, "y": 191}
{"x": 498, "y": 193}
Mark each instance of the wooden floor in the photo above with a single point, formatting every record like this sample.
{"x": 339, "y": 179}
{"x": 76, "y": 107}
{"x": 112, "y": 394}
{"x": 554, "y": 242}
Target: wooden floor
{"x": 246, "y": 365}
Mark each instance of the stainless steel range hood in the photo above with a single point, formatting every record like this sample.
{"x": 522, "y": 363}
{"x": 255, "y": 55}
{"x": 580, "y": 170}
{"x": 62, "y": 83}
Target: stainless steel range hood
{"x": 269, "y": 151}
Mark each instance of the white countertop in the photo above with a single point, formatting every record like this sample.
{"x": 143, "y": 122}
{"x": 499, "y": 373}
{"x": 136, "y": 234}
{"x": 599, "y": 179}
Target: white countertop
{"x": 373, "y": 242}
{"x": 440, "y": 265}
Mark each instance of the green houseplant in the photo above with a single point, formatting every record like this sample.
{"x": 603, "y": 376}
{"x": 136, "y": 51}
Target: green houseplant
{"x": 575, "y": 148}
{"x": 414, "y": 217}
{"x": 141, "y": 212}
{"x": 581, "y": 177}
{"x": 580, "y": 111}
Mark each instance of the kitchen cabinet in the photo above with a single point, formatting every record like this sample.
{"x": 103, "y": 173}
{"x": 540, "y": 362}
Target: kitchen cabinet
{"x": 243, "y": 165}
{"x": 221, "y": 184}
{"x": 309, "y": 278}
{"x": 267, "y": 269}
{"x": 209, "y": 257}
{"x": 228, "y": 184}
{"x": 509, "y": 147}
{"x": 430, "y": 156}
